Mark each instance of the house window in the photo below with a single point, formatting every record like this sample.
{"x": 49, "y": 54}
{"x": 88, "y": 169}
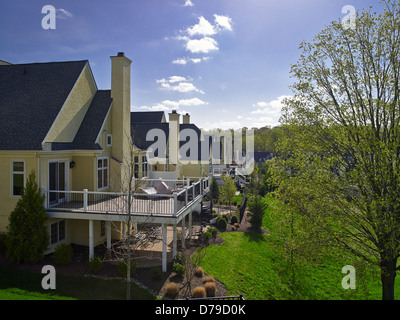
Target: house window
{"x": 57, "y": 232}
{"x": 144, "y": 166}
{"x": 18, "y": 177}
{"x": 109, "y": 140}
{"x": 136, "y": 167}
{"x": 102, "y": 173}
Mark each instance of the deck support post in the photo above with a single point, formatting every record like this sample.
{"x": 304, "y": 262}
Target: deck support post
{"x": 174, "y": 242}
{"x": 164, "y": 247}
{"x": 190, "y": 225}
{"x": 183, "y": 233}
{"x": 91, "y": 240}
{"x": 108, "y": 232}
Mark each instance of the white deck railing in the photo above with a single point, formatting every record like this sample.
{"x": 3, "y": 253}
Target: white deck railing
{"x": 123, "y": 203}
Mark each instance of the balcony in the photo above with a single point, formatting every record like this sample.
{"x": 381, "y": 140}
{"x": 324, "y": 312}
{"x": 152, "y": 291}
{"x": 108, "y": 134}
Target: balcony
{"x": 185, "y": 194}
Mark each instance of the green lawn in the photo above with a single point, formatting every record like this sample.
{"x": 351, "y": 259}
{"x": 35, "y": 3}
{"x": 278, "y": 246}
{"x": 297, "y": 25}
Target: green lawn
{"x": 252, "y": 264}
{"x": 23, "y": 285}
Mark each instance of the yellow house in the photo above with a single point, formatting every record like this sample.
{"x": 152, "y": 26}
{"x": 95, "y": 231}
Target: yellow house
{"x": 55, "y": 121}
{"x": 80, "y": 141}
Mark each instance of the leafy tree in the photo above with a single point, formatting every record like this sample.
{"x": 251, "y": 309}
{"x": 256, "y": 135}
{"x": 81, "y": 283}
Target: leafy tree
{"x": 227, "y": 190}
{"x": 27, "y": 237}
{"x": 339, "y": 161}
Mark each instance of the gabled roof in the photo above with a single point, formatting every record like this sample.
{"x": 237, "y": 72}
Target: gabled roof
{"x": 31, "y": 96}
{"x": 147, "y": 116}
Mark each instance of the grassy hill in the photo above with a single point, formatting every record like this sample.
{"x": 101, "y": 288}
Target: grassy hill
{"x": 254, "y": 265}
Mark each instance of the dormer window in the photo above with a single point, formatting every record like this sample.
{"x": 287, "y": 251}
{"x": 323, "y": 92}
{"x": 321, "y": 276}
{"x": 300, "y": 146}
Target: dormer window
{"x": 109, "y": 140}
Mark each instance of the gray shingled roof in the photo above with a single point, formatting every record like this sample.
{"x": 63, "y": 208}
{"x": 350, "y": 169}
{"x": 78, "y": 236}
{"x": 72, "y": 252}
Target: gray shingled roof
{"x": 147, "y": 116}
{"x": 31, "y": 95}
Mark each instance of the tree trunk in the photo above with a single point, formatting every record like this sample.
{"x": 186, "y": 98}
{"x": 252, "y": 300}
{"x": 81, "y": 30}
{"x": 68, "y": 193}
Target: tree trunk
{"x": 388, "y": 275}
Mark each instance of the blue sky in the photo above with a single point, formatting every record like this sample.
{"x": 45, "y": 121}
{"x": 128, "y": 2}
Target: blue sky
{"x": 226, "y": 62}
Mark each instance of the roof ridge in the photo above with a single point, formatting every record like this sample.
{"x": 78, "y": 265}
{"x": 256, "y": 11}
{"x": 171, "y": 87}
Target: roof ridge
{"x": 35, "y": 63}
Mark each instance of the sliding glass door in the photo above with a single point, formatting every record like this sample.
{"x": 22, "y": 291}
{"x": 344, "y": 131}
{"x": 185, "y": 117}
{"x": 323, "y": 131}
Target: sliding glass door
{"x": 57, "y": 181}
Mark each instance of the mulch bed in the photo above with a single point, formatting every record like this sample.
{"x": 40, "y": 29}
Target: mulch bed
{"x": 142, "y": 276}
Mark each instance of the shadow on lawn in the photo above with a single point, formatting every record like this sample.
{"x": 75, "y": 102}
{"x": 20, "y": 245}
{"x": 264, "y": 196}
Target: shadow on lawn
{"x": 256, "y": 235}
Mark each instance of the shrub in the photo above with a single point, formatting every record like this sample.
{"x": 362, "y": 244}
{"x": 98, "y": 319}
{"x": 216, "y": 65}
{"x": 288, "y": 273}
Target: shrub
{"x": 180, "y": 258}
{"x": 179, "y": 269}
{"x": 123, "y": 267}
{"x": 95, "y": 264}
{"x": 234, "y": 219}
{"x": 199, "y": 292}
{"x": 3, "y": 240}
{"x": 199, "y": 272}
{"x": 221, "y": 223}
{"x": 257, "y": 208}
{"x": 213, "y": 231}
{"x": 157, "y": 274}
{"x": 210, "y": 289}
{"x": 208, "y": 279}
{"x": 207, "y": 236}
{"x": 63, "y": 254}
{"x": 171, "y": 290}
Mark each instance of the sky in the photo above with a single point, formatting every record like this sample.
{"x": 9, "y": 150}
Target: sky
{"x": 225, "y": 62}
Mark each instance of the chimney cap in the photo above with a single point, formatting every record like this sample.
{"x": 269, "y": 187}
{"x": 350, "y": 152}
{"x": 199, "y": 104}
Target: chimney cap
{"x": 173, "y": 111}
{"x": 121, "y": 54}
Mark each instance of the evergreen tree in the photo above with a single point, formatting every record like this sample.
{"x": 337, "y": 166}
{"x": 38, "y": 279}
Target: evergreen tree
{"x": 214, "y": 189}
{"x": 27, "y": 237}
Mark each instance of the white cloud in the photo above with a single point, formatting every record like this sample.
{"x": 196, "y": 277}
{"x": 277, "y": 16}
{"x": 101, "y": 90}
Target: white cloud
{"x": 272, "y": 107}
{"x": 203, "y": 28}
{"x": 203, "y": 45}
{"x": 192, "y": 102}
{"x": 223, "y": 22}
{"x": 188, "y": 3}
{"x": 157, "y": 107}
{"x": 168, "y": 105}
{"x": 63, "y": 14}
{"x": 182, "y": 87}
{"x": 182, "y": 61}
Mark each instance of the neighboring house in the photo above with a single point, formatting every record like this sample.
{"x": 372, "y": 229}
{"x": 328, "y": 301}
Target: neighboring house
{"x": 186, "y": 165}
{"x": 54, "y": 120}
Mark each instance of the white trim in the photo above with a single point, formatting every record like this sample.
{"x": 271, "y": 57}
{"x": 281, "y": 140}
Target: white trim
{"x": 12, "y": 195}
{"x": 102, "y": 169}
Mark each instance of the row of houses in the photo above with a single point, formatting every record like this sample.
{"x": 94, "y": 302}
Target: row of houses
{"x": 85, "y": 145}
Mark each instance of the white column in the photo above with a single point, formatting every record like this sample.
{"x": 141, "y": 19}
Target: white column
{"x": 174, "y": 242}
{"x": 164, "y": 247}
{"x": 91, "y": 240}
{"x": 108, "y": 231}
{"x": 183, "y": 233}
{"x": 190, "y": 225}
